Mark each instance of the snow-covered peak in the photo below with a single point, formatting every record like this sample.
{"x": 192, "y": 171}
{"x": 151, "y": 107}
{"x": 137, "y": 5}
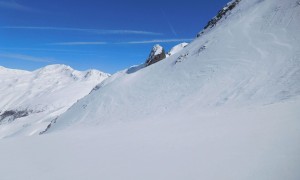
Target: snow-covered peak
{"x": 157, "y": 49}
{"x": 177, "y": 48}
{"x": 157, "y": 54}
{"x": 55, "y": 68}
{"x": 95, "y": 74}
{"x": 61, "y": 70}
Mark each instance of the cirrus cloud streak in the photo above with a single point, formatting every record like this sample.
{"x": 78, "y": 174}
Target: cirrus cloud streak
{"x": 93, "y": 31}
{"x": 25, "y": 57}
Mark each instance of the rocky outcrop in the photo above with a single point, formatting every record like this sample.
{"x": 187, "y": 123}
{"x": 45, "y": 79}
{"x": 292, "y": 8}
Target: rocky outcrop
{"x": 11, "y": 115}
{"x": 223, "y": 12}
{"x": 157, "y": 54}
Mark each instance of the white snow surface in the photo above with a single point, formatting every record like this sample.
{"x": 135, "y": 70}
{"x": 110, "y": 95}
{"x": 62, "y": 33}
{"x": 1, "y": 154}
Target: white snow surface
{"x": 224, "y": 107}
{"x": 45, "y": 93}
{"x": 177, "y": 48}
{"x": 157, "y": 49}
{"x": 259, "y": 143}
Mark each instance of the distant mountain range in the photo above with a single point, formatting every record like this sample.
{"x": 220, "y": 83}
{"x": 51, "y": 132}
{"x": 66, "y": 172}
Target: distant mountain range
{"x": 31, "y": 100}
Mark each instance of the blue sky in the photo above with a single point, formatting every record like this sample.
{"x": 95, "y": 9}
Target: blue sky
{"x": 108, "y": 35}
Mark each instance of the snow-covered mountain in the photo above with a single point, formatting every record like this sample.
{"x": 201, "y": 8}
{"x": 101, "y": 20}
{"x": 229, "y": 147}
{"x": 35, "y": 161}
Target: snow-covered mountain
{"x": 31, "y": 100}
{"x": 249, "y": 57}
{"x": 224, "y": 107}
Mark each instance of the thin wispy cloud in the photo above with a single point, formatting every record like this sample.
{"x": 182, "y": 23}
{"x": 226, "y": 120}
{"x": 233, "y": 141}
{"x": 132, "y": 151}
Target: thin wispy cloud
{"x": 14, "y": 6}
{"x": 52, "y": 51}
{"x": 46, "y": 49}
{"x": 25, "y": 57}
{"x": 129, "y": 42}
{"x": 169, "y": 23}
{"x": 127, "y": 32}
{"x": 94, "y": 31}
{"x": 156, "y": 41}
{"x": 77, "y": 43}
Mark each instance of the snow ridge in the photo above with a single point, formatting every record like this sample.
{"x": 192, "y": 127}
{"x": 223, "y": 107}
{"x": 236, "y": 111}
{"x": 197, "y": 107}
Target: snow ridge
{"x": 177, "y": 48}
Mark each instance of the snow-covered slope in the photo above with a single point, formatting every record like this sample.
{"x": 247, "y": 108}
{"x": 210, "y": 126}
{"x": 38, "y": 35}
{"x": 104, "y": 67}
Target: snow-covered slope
{"x": 250, "y": 57}
{"x": 177, "y": 48}
{"x": 31, "y": 100}
{"x": 250, "y": 144}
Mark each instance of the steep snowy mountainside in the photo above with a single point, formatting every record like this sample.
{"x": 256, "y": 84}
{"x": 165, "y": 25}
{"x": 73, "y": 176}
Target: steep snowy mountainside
{"x": 250, "y": 58}
{"x": 30, "y": 100}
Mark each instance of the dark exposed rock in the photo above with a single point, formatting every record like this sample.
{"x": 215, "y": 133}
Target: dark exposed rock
{"x": 181, "y": 57}
{"x": 157, "y": 54}
{"x": 49, "y": 126}
{"x": 11, "y": 115}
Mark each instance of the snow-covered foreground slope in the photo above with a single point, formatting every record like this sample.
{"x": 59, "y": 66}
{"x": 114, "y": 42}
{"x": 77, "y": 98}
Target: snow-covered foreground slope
{"x": 258, "y": 143}
{"x": 251, "y": 57}
{"x": 31, "y": 100}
